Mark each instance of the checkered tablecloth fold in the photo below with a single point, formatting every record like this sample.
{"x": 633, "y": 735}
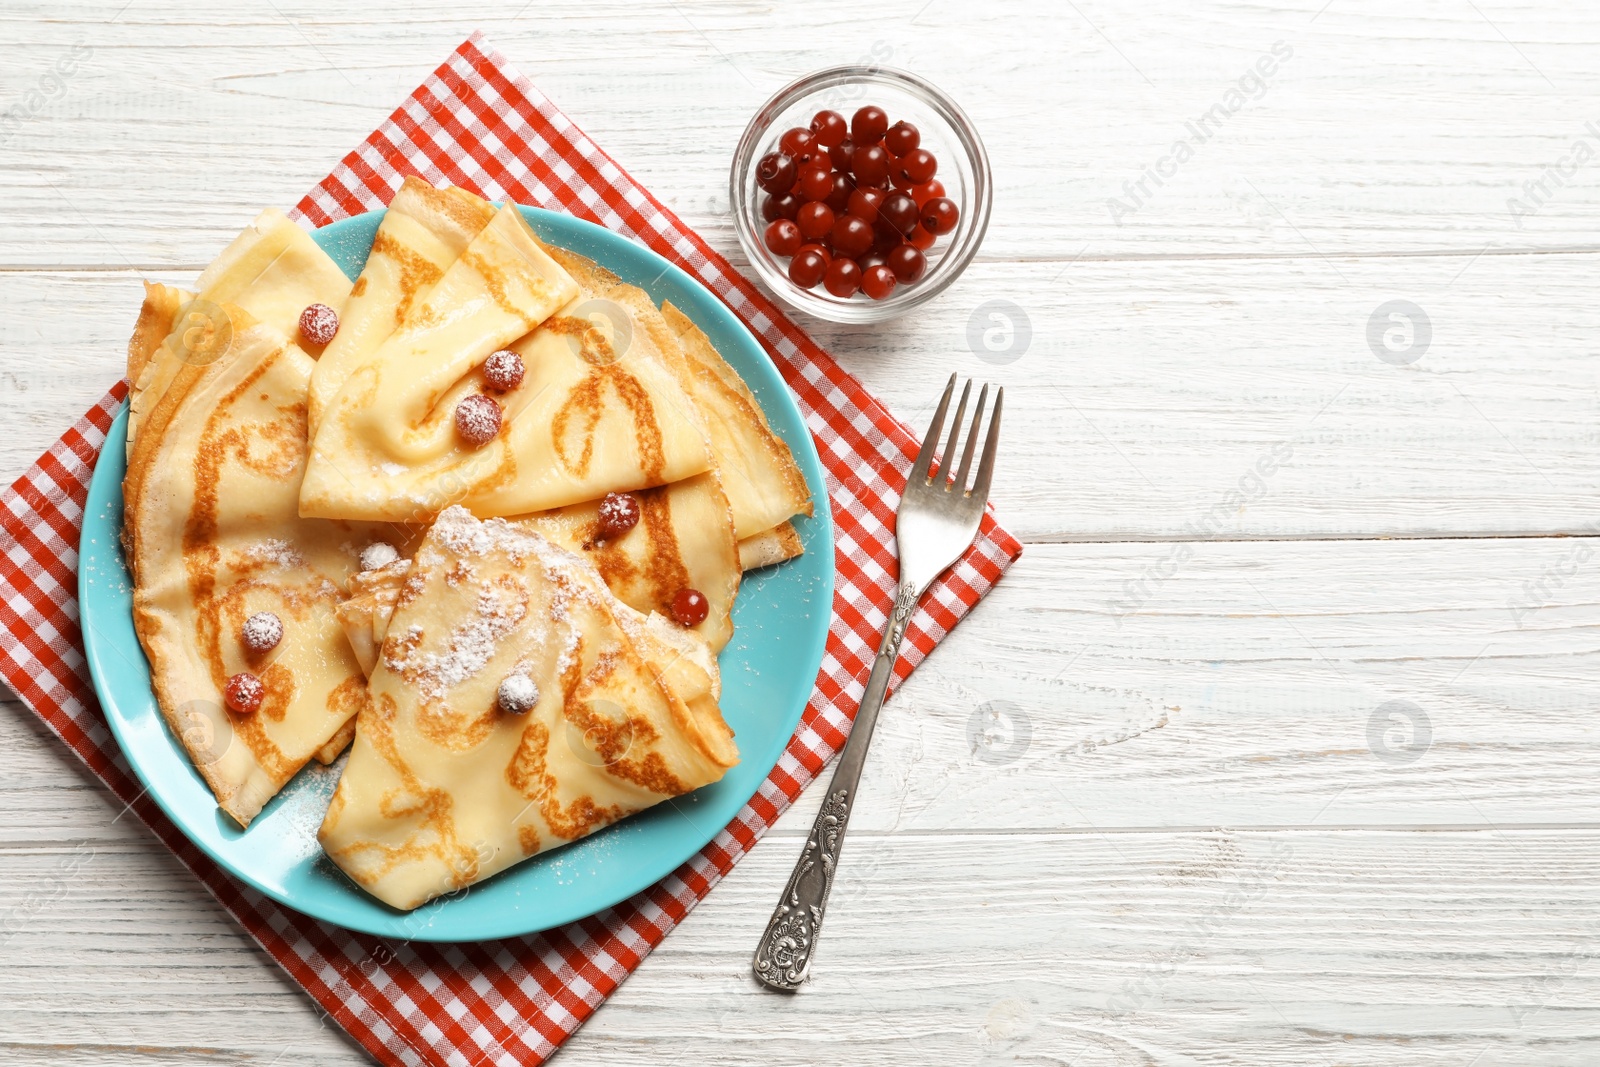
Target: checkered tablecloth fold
{"x": 478, "y": 123}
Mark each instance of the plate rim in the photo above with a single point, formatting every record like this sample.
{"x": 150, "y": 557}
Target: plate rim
{"x": 807, "y": 455}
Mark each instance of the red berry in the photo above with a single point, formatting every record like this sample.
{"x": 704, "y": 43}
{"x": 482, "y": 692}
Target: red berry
{"x": 852, "y": 236}
{"x": 783, "y": 238}
{"x": 786, "y": 206}
{"x": 915, "y": 167}
{"x": 939, "y": 215}
{"x": 870, "y": 260}
{"x": 828, "y": 128}
{"x": 886, "y": 237}
{"x": 870, "y": 164}
{"x": 795, "y": 142}
{"x": 869, "y": 125}
{"x": 921, "y": 239}
{"x": 318, "y": 324}
{"x": 619, "y": 513}
{"x": 775, "y": 173}
{"x": 877, "y": 282}
{"x": 807, "y": 268}
{"x": 815, "y": 220}
{"x": 477, "y": 419}
{"x": 244, "y": 693}
{"x": 690, "y": 607}
{"x": 839, "y": 197}
{"x": 839, "y": 155}
{"x": 503, "y": 371}
{"x": 814, "y": 183}
{"x": 843, "y": 278}
{"x": 907, "y": 263}
{"x": 899, "y": 211}
{"x": 927, "y": 191}
{"x": 261, "y": 632}
{"x": 821, "y": 249}
{"x": 864, "y": 203}
{"x": 902, "y": 138}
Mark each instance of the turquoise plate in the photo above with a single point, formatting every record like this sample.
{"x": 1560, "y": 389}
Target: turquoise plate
{"x": 781, "y": 617}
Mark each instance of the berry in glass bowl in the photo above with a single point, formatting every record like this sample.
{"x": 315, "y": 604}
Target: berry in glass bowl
{"x": 860, "y": 193}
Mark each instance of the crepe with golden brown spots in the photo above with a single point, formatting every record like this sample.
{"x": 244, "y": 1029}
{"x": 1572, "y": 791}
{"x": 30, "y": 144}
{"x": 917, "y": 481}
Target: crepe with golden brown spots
{"x": 273, "y": 270}
{"x": 770, "y": 547}
{"x": 758, "y": 474}
{"x": 764, "y": 484}
{"x": 444, "y": 787}
{"x": 600, "y": 408}
{"x": 213, "y": 535}
{"x": 366, "y": 612}
{"x": 424, "y": 231}
{"x": 683, "y": 540}
{"x": 387, "y": 445}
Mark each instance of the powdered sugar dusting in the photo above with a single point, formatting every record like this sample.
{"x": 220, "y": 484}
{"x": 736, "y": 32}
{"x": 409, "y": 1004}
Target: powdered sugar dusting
{"x": 619, "y": 513}
{"x": 305, "y": 804}
{"x": 262, "y": 631}
{"x": 472, "y": 646}
{"x": 477, "y": 419}
{"x": 378, "y": 554}
{"x": 319, "y": 323}
{"x": 568, "y": 576}
{"x": 518, "y": 693}
{"x": 276, "y": 551}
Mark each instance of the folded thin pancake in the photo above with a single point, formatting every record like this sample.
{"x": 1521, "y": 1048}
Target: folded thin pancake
{"x": 214, "y": 536}
{"x": 273, "y": 270}
{"x": 387, "y": 445}
{"x": 423, "y": 233}
{"x": 764, "y": 485}
{"x": 366, "y": 612}
{"x": 769, "y": 547}
{"x": 444, "y": 787}
{"x": 683, "y": 540}
{"x": 602, "y": 409}
{"x": 156, "y": 318}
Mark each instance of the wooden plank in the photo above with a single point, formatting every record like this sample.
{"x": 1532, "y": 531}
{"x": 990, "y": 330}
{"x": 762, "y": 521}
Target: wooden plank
{"x": 166, "y": 138}
{"x": 1153, "y": 948}
{"x": 1275, "y": 657}
{"x": 1256, "y": 687}
{"x": 1327, "y": 683}
{"x": 1180, "y": 400}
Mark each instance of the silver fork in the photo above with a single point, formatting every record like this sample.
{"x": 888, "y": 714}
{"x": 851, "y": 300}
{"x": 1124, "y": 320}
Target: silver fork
{"x": 937, "y": 520}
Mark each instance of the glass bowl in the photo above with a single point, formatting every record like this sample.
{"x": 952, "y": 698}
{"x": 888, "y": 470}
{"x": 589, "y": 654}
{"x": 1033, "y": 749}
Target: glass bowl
{"x": 946, "y": 132}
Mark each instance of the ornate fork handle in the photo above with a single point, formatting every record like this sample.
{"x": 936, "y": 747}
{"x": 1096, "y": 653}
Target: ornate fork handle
{"x": 783, "y": 956}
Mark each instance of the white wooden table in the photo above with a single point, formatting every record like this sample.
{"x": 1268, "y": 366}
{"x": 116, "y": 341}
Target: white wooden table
{"x": 1155, "y": 803}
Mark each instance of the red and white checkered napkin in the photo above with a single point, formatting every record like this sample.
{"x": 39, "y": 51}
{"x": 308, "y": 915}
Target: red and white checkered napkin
{"x": 477, "y": 123}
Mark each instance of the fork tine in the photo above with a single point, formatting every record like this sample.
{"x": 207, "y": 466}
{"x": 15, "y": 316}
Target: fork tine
{"x": 955, "y": 432}
{"x": 919, "y": 469}
{"x": 972, "y": 440}
{"x": 990, "y": 446}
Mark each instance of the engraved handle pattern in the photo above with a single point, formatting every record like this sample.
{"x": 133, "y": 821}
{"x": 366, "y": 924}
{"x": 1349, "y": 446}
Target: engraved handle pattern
{"x": 783, "y": 957}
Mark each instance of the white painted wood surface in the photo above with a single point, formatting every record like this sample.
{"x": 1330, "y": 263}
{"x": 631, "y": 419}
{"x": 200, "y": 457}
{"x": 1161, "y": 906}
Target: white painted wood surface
{"x": 1191, "y": 831}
